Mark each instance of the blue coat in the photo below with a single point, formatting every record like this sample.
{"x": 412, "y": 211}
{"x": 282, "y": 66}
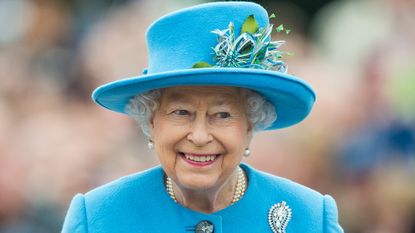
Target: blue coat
{"x": 139, "y": 204}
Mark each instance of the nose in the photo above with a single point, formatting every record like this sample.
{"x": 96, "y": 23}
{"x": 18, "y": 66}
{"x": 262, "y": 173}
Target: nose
{"x": 199, "y": 134}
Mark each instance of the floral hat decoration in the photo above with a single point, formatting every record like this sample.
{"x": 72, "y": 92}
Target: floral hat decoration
{"x": 251, "y": 49}
{"x": 216, "y": 44}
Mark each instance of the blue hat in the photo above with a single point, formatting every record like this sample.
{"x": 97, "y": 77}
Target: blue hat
{"x": 216, "y": 44}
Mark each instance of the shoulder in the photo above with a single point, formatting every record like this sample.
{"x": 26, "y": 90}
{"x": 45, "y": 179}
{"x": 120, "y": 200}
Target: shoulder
{"x": 114, "y": 206}
{"x": 279, "y": 185}
{"x": 126, "y": 192}
{"x": 130, "y": 184}
{"x": 310, "y": 208}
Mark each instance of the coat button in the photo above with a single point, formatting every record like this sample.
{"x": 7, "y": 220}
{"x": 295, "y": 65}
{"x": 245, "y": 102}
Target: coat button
{"x": 204, "y": 227}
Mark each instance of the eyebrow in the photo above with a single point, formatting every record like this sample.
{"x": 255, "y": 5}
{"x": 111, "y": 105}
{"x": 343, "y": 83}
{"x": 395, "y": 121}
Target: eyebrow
{"x": 221, "y": 100}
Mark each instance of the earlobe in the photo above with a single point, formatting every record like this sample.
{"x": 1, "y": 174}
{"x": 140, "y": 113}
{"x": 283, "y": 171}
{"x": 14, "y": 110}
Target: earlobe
{"x": 150, "y": 123}
{"x": 250, "y": 128}
{"x": 249, "y": 134}
{"x": 250, "y": 131}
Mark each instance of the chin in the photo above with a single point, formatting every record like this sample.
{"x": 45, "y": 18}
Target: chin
{"x": 197, "y": 182}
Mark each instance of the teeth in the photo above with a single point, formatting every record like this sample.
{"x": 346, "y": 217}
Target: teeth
{"x": 200, "y": 158}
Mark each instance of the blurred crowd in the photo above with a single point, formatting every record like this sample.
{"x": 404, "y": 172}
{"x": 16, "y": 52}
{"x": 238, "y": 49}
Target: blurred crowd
{"x": 358, "y": 144}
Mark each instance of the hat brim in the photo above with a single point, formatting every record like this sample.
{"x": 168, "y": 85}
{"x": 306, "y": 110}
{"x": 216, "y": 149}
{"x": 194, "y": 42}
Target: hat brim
{"x": 292, "y": 97}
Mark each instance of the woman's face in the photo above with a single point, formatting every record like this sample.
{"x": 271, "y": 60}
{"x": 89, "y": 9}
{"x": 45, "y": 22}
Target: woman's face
{"x": 200, "y": 134}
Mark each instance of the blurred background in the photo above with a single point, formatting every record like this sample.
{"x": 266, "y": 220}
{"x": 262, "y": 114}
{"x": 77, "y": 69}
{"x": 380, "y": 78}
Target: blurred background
{"x": 358, "y": 144}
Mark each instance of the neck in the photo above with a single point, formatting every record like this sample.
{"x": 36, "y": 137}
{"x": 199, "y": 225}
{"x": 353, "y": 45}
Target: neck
{"x": 210, "y": 200}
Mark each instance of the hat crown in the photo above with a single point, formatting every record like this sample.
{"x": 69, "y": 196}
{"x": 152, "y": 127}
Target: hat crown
{"x": 180, "y": 39}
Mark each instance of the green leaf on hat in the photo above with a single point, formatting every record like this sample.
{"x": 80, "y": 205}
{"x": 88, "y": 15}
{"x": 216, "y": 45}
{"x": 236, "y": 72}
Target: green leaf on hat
{"x": 287, "y": 31}
{"x": 250, "y": 25}
{"x": 272, "y": 16}
{"x": 280, "y": 28}
{"x": 201, "y": 64}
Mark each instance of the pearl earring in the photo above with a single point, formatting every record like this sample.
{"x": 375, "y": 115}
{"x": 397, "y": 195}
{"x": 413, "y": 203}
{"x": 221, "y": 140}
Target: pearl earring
{"x": 150, "y": 144}
{"x": 247, "y": 152}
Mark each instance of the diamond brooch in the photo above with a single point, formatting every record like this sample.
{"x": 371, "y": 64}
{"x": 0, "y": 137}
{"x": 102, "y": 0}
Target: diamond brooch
{"x": 278, "y": 217}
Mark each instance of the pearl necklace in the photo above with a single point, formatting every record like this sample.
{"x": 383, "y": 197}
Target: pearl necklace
{"x": 239, "y": 190}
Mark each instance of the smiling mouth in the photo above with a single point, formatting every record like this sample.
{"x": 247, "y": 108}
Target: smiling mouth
{"x": 199, "y": 159}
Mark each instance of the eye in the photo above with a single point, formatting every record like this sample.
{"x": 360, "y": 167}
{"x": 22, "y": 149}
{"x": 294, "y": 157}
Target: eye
{"x": 222, "y": 115}
{"x": 181, "y": 112}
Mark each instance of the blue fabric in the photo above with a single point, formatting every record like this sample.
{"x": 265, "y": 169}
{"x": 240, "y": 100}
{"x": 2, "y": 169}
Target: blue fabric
{"x": 177, "y": 41}
{"x": 139, "y": 203}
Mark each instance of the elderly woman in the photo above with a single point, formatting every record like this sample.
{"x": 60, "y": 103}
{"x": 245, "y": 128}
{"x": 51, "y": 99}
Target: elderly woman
{"x": 214, "y": 78}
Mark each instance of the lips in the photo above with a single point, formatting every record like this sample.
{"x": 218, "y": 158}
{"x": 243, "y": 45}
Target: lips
{"x": 199, "y": 159}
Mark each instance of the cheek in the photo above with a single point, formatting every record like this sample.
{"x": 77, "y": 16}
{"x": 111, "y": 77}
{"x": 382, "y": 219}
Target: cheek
{"x": 240, "y": 133}
{"x": 165, "y": 137}
{"x": 235, "y": 139}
